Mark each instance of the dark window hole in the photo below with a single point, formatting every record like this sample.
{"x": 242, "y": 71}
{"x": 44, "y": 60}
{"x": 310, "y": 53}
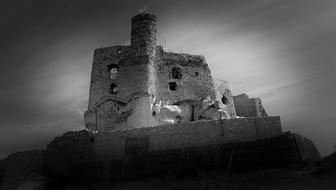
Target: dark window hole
{"x": 113, "y": 70}
{"x": 113, "y": 89}
{"x": 172, "y": 86}
{"x": 176, "y": 73}
{"x": 225, "y": 100}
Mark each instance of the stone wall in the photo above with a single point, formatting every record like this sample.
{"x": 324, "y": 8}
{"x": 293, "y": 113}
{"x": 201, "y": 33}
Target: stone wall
{"x": 195, "y": 82}
{"x": 224, "y": 96}
{"x": 69, "y": 149}
{"x": 145, "y": 77}
{"x": 100, "y": 148}
{"x": 100, "y": 74}
{"x": 248, "y": 107}
{"x": 130, "y": 84}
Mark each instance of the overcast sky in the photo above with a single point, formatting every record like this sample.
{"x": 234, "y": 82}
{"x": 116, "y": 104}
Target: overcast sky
{"x": 283, "y": 51}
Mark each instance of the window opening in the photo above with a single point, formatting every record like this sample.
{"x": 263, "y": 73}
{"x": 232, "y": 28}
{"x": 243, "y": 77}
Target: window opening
{"x": 113, "y": 71}
{"x": 176, "y": 73}
{"x": 172, "y": 86}
{"x": 113, "y": 89}
{"x": 225, "y": 100}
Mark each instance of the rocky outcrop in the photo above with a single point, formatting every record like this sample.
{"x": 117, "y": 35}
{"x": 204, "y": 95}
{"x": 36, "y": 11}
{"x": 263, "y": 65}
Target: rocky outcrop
{"x": 22, "y": 168}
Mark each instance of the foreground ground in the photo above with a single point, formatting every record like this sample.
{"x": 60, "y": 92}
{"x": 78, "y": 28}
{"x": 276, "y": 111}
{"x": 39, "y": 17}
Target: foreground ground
{"x": 267, "y": 179}
{"x": 319, "y": 175}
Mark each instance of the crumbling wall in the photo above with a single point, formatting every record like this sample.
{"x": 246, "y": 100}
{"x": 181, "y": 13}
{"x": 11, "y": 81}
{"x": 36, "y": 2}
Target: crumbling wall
{"x": 100, "y": 74}
{"x": 248, "y": 107}
{"x": 139, "y": 77}
{"x": 187, "y": 111}
{"x": 195, "y": 82}
{"x": 141, "y": 113}
{"x": 130, "y": 83}
{"x": 143, "y": 76}
{"x": 123, "y": 74}
{"x": 224, "y": 96}
{"x": 21, "y": 166}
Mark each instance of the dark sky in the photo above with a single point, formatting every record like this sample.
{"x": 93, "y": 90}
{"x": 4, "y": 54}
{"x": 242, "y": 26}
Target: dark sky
{"x": 283, "y": 51}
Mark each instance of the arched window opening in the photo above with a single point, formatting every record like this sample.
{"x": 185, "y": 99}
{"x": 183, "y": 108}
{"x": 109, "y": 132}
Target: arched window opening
{"x": 113, "y": 71}
{"x": 225, "y": 100}
{"x": 113, "y": 88}
{"x": 172, "y": 86}
{"x": 177, "y": 73}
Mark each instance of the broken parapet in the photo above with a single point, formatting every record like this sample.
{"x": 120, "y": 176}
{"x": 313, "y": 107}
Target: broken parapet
{"x": 248, "y": 107}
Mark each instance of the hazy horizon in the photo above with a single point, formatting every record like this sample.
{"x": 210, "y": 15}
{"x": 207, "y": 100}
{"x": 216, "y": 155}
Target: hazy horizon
{"x": 280, "y": 51}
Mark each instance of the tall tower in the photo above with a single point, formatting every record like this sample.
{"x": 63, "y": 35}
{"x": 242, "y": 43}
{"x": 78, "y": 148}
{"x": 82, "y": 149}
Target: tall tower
{"x": 123, "y": 80}
{"x": 143, "y": 34}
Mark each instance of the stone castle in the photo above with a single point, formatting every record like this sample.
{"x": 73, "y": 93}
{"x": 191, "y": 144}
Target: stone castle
{"x": 154, "y": 113}
{"x": 141, "y": 85}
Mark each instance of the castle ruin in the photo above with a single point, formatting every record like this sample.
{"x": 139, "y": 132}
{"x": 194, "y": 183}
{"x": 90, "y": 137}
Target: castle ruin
{"x": 141, "y": 85}
{"x": 154, "y": 113}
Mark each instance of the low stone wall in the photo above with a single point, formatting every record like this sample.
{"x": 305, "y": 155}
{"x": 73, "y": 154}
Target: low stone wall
{"x": 68, "y": 153}
{"x": 139, "y": 161}
{"x": 84, "y": 157}
{"x": 189, "y": 134}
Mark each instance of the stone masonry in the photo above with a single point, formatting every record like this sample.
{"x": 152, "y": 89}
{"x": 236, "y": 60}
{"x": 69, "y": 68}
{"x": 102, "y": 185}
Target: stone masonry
{"x": 248, "y": 107}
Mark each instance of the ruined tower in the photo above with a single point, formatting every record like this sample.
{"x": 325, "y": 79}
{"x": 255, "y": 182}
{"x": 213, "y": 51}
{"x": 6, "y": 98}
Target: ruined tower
{"x": 141, "y": 85}
{"x": 143, "y": 35}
